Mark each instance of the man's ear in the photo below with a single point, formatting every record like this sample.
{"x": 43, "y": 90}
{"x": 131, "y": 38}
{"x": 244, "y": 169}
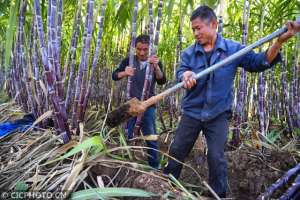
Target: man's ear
{"x": 214, "y": 24}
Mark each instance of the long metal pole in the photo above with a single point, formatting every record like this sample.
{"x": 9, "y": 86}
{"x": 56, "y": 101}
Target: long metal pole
{"x": 227, "y": 60}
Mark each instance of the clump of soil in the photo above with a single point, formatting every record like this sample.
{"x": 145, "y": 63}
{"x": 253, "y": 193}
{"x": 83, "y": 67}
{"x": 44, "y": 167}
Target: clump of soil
{"x": 152, "y": 184}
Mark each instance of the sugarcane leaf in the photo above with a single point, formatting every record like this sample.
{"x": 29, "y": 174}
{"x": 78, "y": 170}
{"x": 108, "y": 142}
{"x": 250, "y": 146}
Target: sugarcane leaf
{"x": 123, "y": 142}
{"x": 44, "y": 116}
{"x": 10, "y": 31}
{"x": 21, "y": 186}
{"x": 273, "y": 136}
{"x": 95, "y": 141}
{"x": 110, "y": 192}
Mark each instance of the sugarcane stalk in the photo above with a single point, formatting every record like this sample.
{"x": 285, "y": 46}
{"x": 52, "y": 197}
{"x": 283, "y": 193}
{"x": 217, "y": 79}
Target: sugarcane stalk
{"x": 294, "y": 91}
{"x": 36, "y": 71}
{"x": 59, "y": 25}
{"x": 84, "y": 53}
{"x": 153, "y": 51}
{"x": 297, "y": 98}
{"x": 54, "y": 47}
{"x": 221, "y": 14}
{"x": 19, "y": 60}
{"x": 149, "y": 69}
{"x": 72, "y": 56}
{"x": 49, "y": 76}
{"x": 292, "y": 191}
{"x": 280, "y": 182}
{"x": 83, "y": 91}
{"x": 49, "y": 49}
{"x": 270, "y": 100}
{"x": 178, "y": 53}
{"x": 95, "y": 62}
{"x": 132, "y": 48}
{"x": 23, "y": 60}
{"x": 261, "y": 87}
{"x": 277, "y": 102}
{"x": 286, "y": 95}
{"x": 296, "y": 84}
{"x": 242, "y": 87}
{"x": 131, "y": 52}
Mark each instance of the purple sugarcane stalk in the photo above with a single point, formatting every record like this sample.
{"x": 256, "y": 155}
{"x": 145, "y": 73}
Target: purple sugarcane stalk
{"x": 149, "y": 70}
{"x": 49, "y": 76}
{"x": 277, "y": 102}
{"x": 296, "y": 84}
{"x": 220, "y": 25}
{"x": 86, "y": 45}
{"x": 49, "y": 49}
{"x": 72, "y": 56}
{"x": 24, "y": 63}
{"x": 59, "y": 26}
{"x": 54, "y": 47}
{"x": 153, "y": 51}
{"x": 261, "y": 103}
{"x": 294, "y": 92}
{"x": 132, "y": 48}
{"x": 84, "y": 83}
{"x": 242, "y": 88}
{"x": 280, "y": 182}
{"x": 20, "y": 60}
{"x": 36, "y": 71}
{"x": 131, "y": 52}
{"x": 95, "y": 61}
{"x": 286, "y": 95}
{"x": 292, "y": 191}
{"x": 2, "y": 73}
{"x": 271, "y": 100}
{"x": 261, "y": 87}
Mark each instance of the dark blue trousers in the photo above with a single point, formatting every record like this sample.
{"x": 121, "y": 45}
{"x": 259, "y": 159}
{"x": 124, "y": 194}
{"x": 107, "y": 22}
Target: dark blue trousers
{"x": 148, "y": 127}
{"x": 215, "y": 131}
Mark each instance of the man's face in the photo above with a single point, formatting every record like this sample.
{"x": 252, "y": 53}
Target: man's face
{"x": 142, "y": 51}
{"x": 203, "y": 30}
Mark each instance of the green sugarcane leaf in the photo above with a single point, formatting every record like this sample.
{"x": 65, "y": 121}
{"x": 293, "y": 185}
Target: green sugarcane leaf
{"x": 110, "y": 192}
{"x": 10, "y": 31}
{"x": 95, "y": 141}
{"x": 21, "y": 186}
{"x": 123, "y": 142}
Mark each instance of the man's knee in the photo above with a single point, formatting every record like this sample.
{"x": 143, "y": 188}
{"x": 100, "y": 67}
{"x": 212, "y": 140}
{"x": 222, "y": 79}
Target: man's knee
{"x": 215, "y": 157}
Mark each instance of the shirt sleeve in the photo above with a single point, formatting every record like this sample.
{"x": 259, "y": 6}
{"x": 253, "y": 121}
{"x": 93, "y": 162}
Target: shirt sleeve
{"x": 257, "y": 62}
{"x": 121, "y": 68}
{"x": 183, "y": 67}
{"x": 163, "y": 80}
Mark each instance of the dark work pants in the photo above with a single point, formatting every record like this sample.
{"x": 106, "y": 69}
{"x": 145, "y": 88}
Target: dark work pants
{"x": 215, "y": 132}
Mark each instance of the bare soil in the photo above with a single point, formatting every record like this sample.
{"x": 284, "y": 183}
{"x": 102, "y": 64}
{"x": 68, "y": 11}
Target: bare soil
{"x": 250, "y": 172}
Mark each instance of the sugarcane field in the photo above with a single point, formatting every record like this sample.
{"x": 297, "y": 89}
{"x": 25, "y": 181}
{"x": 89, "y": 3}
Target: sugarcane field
{"x": 150, "y": 99}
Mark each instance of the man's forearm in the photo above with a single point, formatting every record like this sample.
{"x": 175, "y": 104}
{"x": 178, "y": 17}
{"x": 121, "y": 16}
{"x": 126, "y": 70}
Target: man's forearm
{"x": 121, "y": 74}
{"x": 273, "y": 51}
{"x": 158, "y": 73}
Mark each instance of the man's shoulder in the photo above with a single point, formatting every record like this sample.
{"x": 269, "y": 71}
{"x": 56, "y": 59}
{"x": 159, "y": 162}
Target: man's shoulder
{"x": 232, "y": 44}
{"x": 126, "y": 59}
{"x": 189, "y": 50}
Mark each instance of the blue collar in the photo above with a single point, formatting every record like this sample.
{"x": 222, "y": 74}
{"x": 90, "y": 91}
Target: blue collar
{"x": 220, "y": 44}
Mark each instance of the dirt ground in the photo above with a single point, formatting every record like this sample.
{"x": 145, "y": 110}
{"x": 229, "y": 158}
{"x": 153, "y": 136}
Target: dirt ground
{"x": 249, "y": 173}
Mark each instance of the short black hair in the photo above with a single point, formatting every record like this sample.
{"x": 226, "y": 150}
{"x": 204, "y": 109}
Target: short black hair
{"x": 204, "y": 13}
{"x": 145, "y": 39}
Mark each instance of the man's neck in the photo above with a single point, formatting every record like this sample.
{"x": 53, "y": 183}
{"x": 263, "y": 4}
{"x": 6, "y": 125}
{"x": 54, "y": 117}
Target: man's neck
{"x": 211, "y": 44}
